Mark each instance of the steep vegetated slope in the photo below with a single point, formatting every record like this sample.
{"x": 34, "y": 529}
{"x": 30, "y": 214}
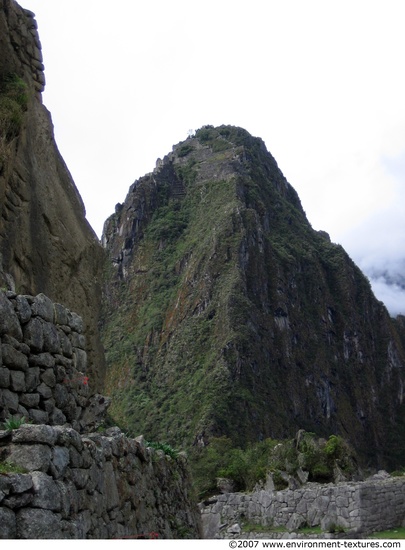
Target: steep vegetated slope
{"x": 46, "y": 244}
{"x": 227, "y": 314}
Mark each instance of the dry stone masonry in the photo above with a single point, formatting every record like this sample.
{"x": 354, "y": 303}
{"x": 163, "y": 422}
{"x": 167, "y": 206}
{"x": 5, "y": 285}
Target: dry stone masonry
{"x": 357, "y": 507}
{"x": 43, "y": 364}
{"x": 72, "y": 483}
{"x": 23, "y": 32}
{"x": 91, "y": 487}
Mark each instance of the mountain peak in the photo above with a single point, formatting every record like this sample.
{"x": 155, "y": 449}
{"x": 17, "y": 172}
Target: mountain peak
{"x": 227, "y": 314}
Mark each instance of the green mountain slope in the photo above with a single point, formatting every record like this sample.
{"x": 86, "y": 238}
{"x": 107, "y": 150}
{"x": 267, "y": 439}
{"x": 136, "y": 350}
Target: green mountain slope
{"x": 226, "y": 313}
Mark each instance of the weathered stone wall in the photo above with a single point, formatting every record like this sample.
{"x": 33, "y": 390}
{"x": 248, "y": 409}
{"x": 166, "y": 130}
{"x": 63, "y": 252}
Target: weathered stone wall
{"x": 43, "y": 364}
{"x": 22, "y": 44}
{"x": 91, "y": 487}
{"x": 360, "y": 507}
{"x": 46, "y": 244}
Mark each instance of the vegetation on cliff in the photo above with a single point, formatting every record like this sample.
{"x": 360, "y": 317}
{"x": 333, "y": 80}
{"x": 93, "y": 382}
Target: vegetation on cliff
{"x": 303, "y": 458}
{"x": 226, "y": 314}
{"x": 13, "y": 103}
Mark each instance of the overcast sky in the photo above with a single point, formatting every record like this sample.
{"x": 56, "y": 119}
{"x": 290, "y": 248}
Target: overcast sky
{"x": 321, "y": 82}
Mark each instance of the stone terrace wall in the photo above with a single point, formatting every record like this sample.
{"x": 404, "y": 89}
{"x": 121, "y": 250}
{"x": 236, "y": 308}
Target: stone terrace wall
{"x": 43, "y": 363}
{"x": 362, "y": 507}
{"x": 75, "y": 485}
{"x": 91, "y": 487}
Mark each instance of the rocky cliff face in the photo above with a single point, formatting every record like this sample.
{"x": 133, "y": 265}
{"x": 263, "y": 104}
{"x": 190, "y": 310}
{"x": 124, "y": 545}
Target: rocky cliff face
{"x": 226, "y": 313}
{"x": 46, "y": 243}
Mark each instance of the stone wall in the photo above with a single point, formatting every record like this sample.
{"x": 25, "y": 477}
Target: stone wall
{"x": 46, "y": 244}
{"x": 54, "y": 481}
{"x": 91, "y": 487}
{"x": 24, "y": 39}
{"x": 43, "y": 364}
{"x": 358, "y": 507}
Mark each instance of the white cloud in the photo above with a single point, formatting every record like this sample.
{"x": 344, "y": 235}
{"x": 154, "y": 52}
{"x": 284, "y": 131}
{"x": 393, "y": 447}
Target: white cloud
{"x": 322, "y": 83}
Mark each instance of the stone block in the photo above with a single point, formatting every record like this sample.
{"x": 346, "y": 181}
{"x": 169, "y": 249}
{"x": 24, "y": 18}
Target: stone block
{"x": 79, "y": 359}
{"x": 18, "y": 501}
{"x": 44, "y": 391}
{"x": 46, "y": 492}
{"x": 42, "y": 360}
{"x": 59, "y": 462}
{"x": 8, "y": 524}
{"x": 13, "y": 358}
{"x": 66, "y": 345}
{"x": 32, "y": 379}
{"x": 28, "y": 433}
{"x": 4, "y": 377}
{"x": 78, "y": 340}
{"x": 51, "y": 338}
{"x": 8, "y": 400}
{"x": 70, "y": 409}
{"x": 9, "y": 323}
{"x": 295, "y": 522}
{"x": 43, "y": 307}
{"x": 38, "y": 524}
{"x": 29, "y": 399}
{"x": 30, "y": 457}
{"x": 33, "y": 334}
{"x": 20, "y": 482}
{"x": 19, "y": 346}
{"x": 23, "y": 309}
{"x": 75, "y": 322}
{"x": 111, "y": 487}
{"x": 39, "y": 417}
{"x": 48, "y": 378}
{"x": 68, "y": 436}
{"x": 57, "y": 417}
{"x": 75, "y": 458}
{"x": 61, "y": 314}
{"x": 17, "y": 381}
{"x": 66, "y": 364}
{"x": 79, "y": 477}
{"x": 60, "y": 394}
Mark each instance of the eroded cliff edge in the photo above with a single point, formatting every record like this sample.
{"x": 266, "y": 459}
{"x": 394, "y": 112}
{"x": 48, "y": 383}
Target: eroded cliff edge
{"x": 46, "y": 243}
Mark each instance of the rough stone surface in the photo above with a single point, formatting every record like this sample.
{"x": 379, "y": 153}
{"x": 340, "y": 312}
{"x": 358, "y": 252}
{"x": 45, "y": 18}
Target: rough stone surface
{"x": 93, "y": 487}
{"x": 41, "y": 377}
{"x": 47, "y": 246}
{"x": 359, "y": 507}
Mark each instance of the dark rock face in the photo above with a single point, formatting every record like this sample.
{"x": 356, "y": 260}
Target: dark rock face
{"x": 226, "y": 313}
{"x": 46, "y": 244}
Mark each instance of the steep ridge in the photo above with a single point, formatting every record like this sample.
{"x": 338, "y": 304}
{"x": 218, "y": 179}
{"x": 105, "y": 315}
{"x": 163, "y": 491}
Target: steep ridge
{"x": 46, "y": 244}
{"x": 226, "y": 313}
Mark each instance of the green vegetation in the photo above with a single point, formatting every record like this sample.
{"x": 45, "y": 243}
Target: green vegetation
{"x": 185, "y": 150}
{"x": 250, "y": 527}
{"x": 248, "y": 467}
{"x": 11, "y": 468}
{"x": 13, "y": 103}
{"x": 167, "y": 449}
{"x": 230, "y": 315}
{"x": 14, "y": 422}
{"x": 396, "y": 533}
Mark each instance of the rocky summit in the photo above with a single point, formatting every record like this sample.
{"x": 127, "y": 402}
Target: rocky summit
{"x": 222, "y": 313}
{"x": 226, "y": 313}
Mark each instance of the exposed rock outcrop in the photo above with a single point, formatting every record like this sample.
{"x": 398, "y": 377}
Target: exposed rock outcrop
{"x": 46, "y": 244}
{"x": 227, "y": 314}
